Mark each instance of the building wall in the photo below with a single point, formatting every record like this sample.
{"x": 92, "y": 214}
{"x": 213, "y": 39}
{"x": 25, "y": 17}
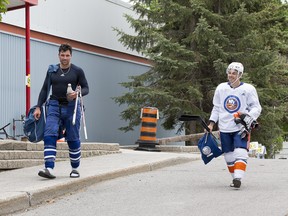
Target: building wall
{"x": 88, "y": 28}
{"x": 88, "y": 21}
{"x": 12, "y": 79}
{"x": 104, "y": 73}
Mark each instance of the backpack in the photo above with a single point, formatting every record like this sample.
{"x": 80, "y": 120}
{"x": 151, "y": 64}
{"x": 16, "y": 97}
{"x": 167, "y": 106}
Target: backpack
{"x": 34, "y": 129}
{"x": 208, "y": 146}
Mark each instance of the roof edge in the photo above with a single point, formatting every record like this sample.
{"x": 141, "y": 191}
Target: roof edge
{"x": 20, "y": 6}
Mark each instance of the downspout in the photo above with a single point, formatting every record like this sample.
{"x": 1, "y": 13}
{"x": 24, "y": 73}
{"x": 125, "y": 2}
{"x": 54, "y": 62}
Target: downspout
{"x": 27, "y": 21}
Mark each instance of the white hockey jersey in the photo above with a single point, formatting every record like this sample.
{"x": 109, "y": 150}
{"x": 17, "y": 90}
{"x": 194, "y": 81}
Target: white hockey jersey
{"x": 228, "y": 100}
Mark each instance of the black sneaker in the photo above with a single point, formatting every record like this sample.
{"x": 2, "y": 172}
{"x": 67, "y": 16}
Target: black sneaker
{"x": 236, "y": 183}
{"x": 74, "y": 174}
{"x": 46, "y": 174}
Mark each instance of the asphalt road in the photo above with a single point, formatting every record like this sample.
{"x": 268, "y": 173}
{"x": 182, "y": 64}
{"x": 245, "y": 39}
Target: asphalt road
{"x": 186, "y": 189}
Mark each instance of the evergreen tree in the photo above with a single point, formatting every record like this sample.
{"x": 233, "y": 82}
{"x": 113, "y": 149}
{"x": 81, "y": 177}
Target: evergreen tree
{"x": 191, "y": 42}
{"x": 3, "y": 8}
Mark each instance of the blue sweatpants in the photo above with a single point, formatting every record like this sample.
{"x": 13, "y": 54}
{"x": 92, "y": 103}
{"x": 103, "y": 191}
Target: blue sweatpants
{"x": 61, "y": 116}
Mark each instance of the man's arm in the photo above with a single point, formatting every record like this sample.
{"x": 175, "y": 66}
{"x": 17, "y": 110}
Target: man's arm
{"x": 42, "y": 98}
{"x": 215, "y": 111}
{"x": 43, "y": 93}
{"x": 83, "y": 83}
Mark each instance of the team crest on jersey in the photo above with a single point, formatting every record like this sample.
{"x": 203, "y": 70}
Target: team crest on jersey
{"x": 232, "y": 104}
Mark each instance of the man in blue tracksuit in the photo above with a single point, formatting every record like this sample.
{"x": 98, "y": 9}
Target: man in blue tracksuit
{"x": 60, "y": 110}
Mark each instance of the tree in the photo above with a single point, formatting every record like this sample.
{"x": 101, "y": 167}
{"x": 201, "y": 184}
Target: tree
{"x": 3, "y": 8}
{"x": 191, "y": 42}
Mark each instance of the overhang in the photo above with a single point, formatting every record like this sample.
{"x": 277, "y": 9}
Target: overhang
{"x": 17, "y": 4}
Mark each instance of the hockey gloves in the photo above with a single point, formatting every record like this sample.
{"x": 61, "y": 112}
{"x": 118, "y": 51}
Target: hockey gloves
{"x": 247, "y": 123}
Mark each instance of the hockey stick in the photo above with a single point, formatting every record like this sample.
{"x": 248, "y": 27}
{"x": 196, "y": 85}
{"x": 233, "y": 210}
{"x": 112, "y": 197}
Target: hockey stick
{"x": 194, "y": 118}
{"x": 198, "y": 118}
{"x": 83, "y": 115}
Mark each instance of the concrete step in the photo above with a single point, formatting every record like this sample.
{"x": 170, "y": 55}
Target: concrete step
{"x": 16, "y": 154}
{"x": 20, "y": 154}
{"x": 21, "y": 145}
{"x": 22, "y": 163}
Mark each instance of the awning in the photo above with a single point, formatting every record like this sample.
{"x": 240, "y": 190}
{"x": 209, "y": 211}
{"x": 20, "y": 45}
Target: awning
{"x": 17, "y": 4}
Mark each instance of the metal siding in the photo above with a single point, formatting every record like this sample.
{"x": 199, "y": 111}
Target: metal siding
{"x": 103, "y": 74}
{"x": 12, "y": 80}
{"x": 42, "y": 55}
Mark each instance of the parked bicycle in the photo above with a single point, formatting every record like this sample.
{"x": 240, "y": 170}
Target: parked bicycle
{"x": 4, "y": 132}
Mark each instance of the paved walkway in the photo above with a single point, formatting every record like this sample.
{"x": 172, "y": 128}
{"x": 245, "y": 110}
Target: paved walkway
{"x": 189, "y": 189}
{"x": 267, "y": 181}
{"x": 22, "y": 188}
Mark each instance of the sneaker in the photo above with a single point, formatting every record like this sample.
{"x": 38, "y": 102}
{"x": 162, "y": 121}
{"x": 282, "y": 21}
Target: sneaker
{"x": 236, "y": 183}
{"x": 45, "y": 173}
{"x": 74, "y": 174}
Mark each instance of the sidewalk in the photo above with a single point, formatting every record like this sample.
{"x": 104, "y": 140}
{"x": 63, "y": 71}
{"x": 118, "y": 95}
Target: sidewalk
{"x": 22, "y": 188}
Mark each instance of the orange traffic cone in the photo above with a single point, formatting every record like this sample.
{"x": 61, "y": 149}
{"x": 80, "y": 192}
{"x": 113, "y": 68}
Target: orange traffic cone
{"x": 147, "y": 141}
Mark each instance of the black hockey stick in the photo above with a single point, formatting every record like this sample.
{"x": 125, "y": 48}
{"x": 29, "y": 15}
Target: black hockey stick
{"x": 198, "y": 118}
{"x": 194, "y": 118}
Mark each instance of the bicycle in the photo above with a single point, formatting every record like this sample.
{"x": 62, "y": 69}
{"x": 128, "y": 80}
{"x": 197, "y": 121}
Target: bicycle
{"x": 4, "y": 132}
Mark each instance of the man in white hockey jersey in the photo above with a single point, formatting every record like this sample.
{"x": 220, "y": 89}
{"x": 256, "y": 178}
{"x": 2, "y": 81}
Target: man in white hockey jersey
{"x": 236, "y": 108}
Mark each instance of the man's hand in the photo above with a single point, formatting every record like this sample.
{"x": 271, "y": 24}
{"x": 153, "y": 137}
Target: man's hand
{"x": 37, "y": 113}
{"x": 210, "y": 126}
{"x": 72, "y": 96}
{"x": 247, "y": 123}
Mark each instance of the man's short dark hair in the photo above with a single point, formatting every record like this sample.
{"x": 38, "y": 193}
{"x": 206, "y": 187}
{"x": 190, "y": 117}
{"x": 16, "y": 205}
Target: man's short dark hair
{"x": 65, "y": 47}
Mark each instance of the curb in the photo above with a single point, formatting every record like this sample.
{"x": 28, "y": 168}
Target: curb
{"x": 37, "y": 197}
{"x": 17, "y": 201}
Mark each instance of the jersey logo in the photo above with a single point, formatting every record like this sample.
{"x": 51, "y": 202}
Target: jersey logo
{"x": 232, "y": 104}
{"x": 207, "y": 151}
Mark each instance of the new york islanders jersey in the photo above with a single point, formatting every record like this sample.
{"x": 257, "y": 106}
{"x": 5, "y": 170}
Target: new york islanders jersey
{"x": 228, "y": 100}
